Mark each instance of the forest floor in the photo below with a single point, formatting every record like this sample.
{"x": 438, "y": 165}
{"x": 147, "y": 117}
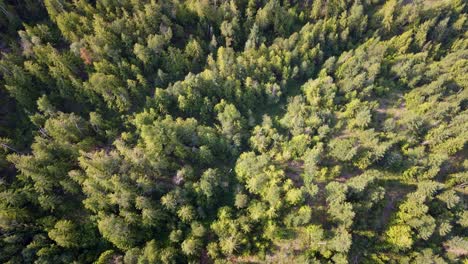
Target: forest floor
{"x": 395, "y": 193}
{"x": 290, "y": 242}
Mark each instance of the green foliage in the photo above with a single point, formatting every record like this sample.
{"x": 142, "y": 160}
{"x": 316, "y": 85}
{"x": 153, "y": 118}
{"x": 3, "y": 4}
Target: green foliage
{"x": 259, "y": 131}
{"x": 400, "y": 236}
{"x": 114, "y": 229}
{"x": 67, "y": 234}
{"x": 343, "y": 149}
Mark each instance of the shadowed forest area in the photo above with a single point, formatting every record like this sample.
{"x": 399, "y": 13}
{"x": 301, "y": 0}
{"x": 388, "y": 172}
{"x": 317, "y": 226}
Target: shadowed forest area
{"x": 233, "y": 131}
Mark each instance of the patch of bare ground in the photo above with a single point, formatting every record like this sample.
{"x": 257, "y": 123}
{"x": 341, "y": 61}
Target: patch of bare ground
{"x": 244, "y": 259}
{"x": 293, "y": 170}
{"x": 392, "y": 198}
{"x": 397, "y": 112}
{"x": 387, "y": 107}
{"x": 457, "y": 251}
{"x": 345, "y": 134}
{"x": 204, "y": 258}
{"x": 319, "y": 205}
{"x": 284, "y": 252}
{"x": 348, "y": 174}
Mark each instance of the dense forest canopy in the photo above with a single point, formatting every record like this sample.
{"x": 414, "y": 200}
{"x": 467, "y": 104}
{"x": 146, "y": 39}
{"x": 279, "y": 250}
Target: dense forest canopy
{"x": 233, "y": 131}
